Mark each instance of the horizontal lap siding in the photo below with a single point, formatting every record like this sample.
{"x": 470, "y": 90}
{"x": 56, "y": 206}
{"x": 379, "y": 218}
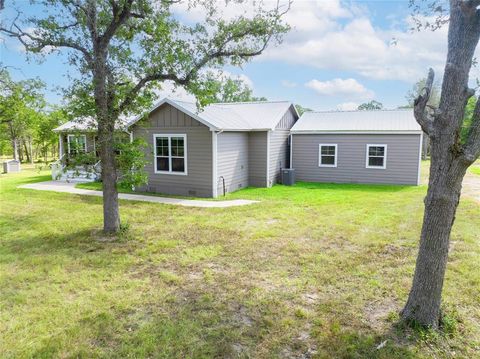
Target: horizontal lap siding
{"x": 279, "y": 150}
{"x": 232, "y": 161}
{"x": 278, "y": 153}
{"x": 168, "y": 120}
{"x": 401, "y": 166}
{"x": 257, "y": 159}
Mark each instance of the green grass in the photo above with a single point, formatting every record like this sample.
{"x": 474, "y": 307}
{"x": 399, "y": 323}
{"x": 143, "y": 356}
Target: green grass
{"x": 475, "y": 170}
{"x": 314, "y": 269}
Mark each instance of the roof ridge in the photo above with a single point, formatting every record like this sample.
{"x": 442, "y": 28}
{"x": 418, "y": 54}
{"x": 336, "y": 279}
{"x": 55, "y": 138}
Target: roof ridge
{"x": 343, "y": 111}
{"x": 248, "y": 102}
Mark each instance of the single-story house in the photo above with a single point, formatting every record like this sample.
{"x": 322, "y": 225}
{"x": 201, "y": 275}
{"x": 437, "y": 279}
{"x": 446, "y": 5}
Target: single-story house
{"x": 222, "y": 148}
{"x": 228, "y": 146}
{"x": 357, "y": 147}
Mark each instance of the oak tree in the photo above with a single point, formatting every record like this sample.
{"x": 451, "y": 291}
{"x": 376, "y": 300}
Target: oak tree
{"x": 124, "y": 49}
{"x": 451, "y": 155}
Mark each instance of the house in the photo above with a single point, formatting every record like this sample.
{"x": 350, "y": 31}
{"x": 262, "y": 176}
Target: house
{"x": 220, "y": 149}
{"x": 223, "y": 148}
{"x": 381, "y": 147}
{"x": 228, "y": 146}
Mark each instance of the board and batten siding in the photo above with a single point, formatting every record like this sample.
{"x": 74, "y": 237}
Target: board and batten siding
{"x": 198, "y": 181}
{"x": 232, "y": 161}
{"x": 403, "y": 151}
{"x": 257, "y": 158}
{"x": 279, "y": 152}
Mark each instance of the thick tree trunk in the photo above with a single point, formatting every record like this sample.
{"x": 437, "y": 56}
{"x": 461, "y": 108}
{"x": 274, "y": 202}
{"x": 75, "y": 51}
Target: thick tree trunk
{"x": 448, "y": 165}
{"x": 111, "y": 215}
{"x": 106, "y": 128}
{"x": 424, "y": 301}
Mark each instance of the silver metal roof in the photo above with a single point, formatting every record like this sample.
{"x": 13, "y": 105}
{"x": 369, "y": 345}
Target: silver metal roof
{"x": 237, "y": 116}
{"x": 357, "y": 121}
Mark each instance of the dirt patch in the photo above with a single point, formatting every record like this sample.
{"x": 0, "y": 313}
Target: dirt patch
{"x": 377, "y": 313}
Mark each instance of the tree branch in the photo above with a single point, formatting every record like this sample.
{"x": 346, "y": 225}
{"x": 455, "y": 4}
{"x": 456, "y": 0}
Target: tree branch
{"x": 420, "y": 106}
{"x": 40, "y": 43}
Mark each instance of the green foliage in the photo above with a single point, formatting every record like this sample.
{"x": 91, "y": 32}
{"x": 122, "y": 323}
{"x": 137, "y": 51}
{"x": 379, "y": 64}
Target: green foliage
{"x": 370, "y": 106}
{"x": 301, "y": 110}
{"x": 226, "y": 89}
{"x": 131, "y": 163}
{"x": 467, "y": 119}
{"x": 417, "y": 90}
{"x": 21, "y": 110}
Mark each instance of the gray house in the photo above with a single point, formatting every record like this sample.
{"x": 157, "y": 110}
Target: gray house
{"x": 229, "y": 146}
{"x": 357, "y": 147}
{"x": 223, "y": 148}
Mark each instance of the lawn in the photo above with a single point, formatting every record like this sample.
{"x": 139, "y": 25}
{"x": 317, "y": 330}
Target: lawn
{"x": 313, "y": 270}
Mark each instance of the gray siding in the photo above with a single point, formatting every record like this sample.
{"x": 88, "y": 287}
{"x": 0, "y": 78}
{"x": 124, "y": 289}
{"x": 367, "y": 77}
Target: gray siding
{"x": 257, "y": 159}
{"x": 198, "y": 181}
{"x": 279, "y": 150}
{"x": 401, "y": 166}
{"x": 232, "y": 161}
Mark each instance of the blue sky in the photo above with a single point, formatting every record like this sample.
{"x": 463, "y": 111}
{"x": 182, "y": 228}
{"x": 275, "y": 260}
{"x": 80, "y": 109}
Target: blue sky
{"x": 337, "y": 55}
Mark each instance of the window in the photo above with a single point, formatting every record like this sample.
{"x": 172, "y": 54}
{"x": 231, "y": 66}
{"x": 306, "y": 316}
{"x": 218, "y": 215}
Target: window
{"x": 170, "y": 154}
{"x": 376, "y": 156}
{"x": 327, "y": 155}
{"x": 76, "y": 144}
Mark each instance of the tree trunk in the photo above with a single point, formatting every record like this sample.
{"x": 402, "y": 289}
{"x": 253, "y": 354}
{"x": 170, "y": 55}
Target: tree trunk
{"x": 424, "y": 301}
{"x": 111, "y": 215}
{"x": 106, "y": 129}
{"x": 448, "y": 165}
{"x": 26, "y": 150}
{"x": 15, "y": 149}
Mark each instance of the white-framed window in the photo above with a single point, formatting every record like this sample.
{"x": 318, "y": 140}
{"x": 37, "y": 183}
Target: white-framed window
{"x": 327, "y": 155}
{"x": 76, "y": 144}
{"x": 170, "y": 153}
{"x": 376, "y": 156}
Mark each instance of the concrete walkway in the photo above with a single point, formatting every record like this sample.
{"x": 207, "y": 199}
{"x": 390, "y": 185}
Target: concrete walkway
{"x": 59, "y": 186}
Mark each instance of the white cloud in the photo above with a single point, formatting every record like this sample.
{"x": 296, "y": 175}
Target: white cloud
{"x": 347, "y": 106}
{"x": 349, "y": 88}
{"x": 345, "y": 39}
{"x": 169, "y": 89}
{"x": 289, "y": 84}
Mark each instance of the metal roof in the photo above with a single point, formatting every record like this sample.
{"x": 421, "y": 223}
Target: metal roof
{"x": 357, "y": 121}
{"x": 85, "y": 124}
{"x": 236, "y": 116}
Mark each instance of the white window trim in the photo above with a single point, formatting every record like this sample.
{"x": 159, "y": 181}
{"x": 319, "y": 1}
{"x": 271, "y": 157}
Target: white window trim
{"x": 84, "y": 142}
{"x": 320, "y": 154}
{"x": 384, "y": 157}
{"x": 170, "y": 135}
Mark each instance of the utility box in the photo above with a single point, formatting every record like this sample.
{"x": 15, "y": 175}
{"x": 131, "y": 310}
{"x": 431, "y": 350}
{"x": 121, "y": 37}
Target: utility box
{"x": 11, "y": 166}
{"x": 288, "y": 176}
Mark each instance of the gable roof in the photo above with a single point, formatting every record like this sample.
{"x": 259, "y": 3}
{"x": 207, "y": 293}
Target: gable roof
{"x": 236, "y": 116}
{"x": 380, "y": 121}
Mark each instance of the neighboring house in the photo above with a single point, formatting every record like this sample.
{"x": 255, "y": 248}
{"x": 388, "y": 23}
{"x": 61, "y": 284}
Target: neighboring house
{"x": 357, "y": 147}
{"x": 222, "y": 148}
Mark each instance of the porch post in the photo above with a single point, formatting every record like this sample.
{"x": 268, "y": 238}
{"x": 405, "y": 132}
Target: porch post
{"x": 60, "y": 145}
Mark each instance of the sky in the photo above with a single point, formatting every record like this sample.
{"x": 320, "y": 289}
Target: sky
{"x": 337, "y": 55}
